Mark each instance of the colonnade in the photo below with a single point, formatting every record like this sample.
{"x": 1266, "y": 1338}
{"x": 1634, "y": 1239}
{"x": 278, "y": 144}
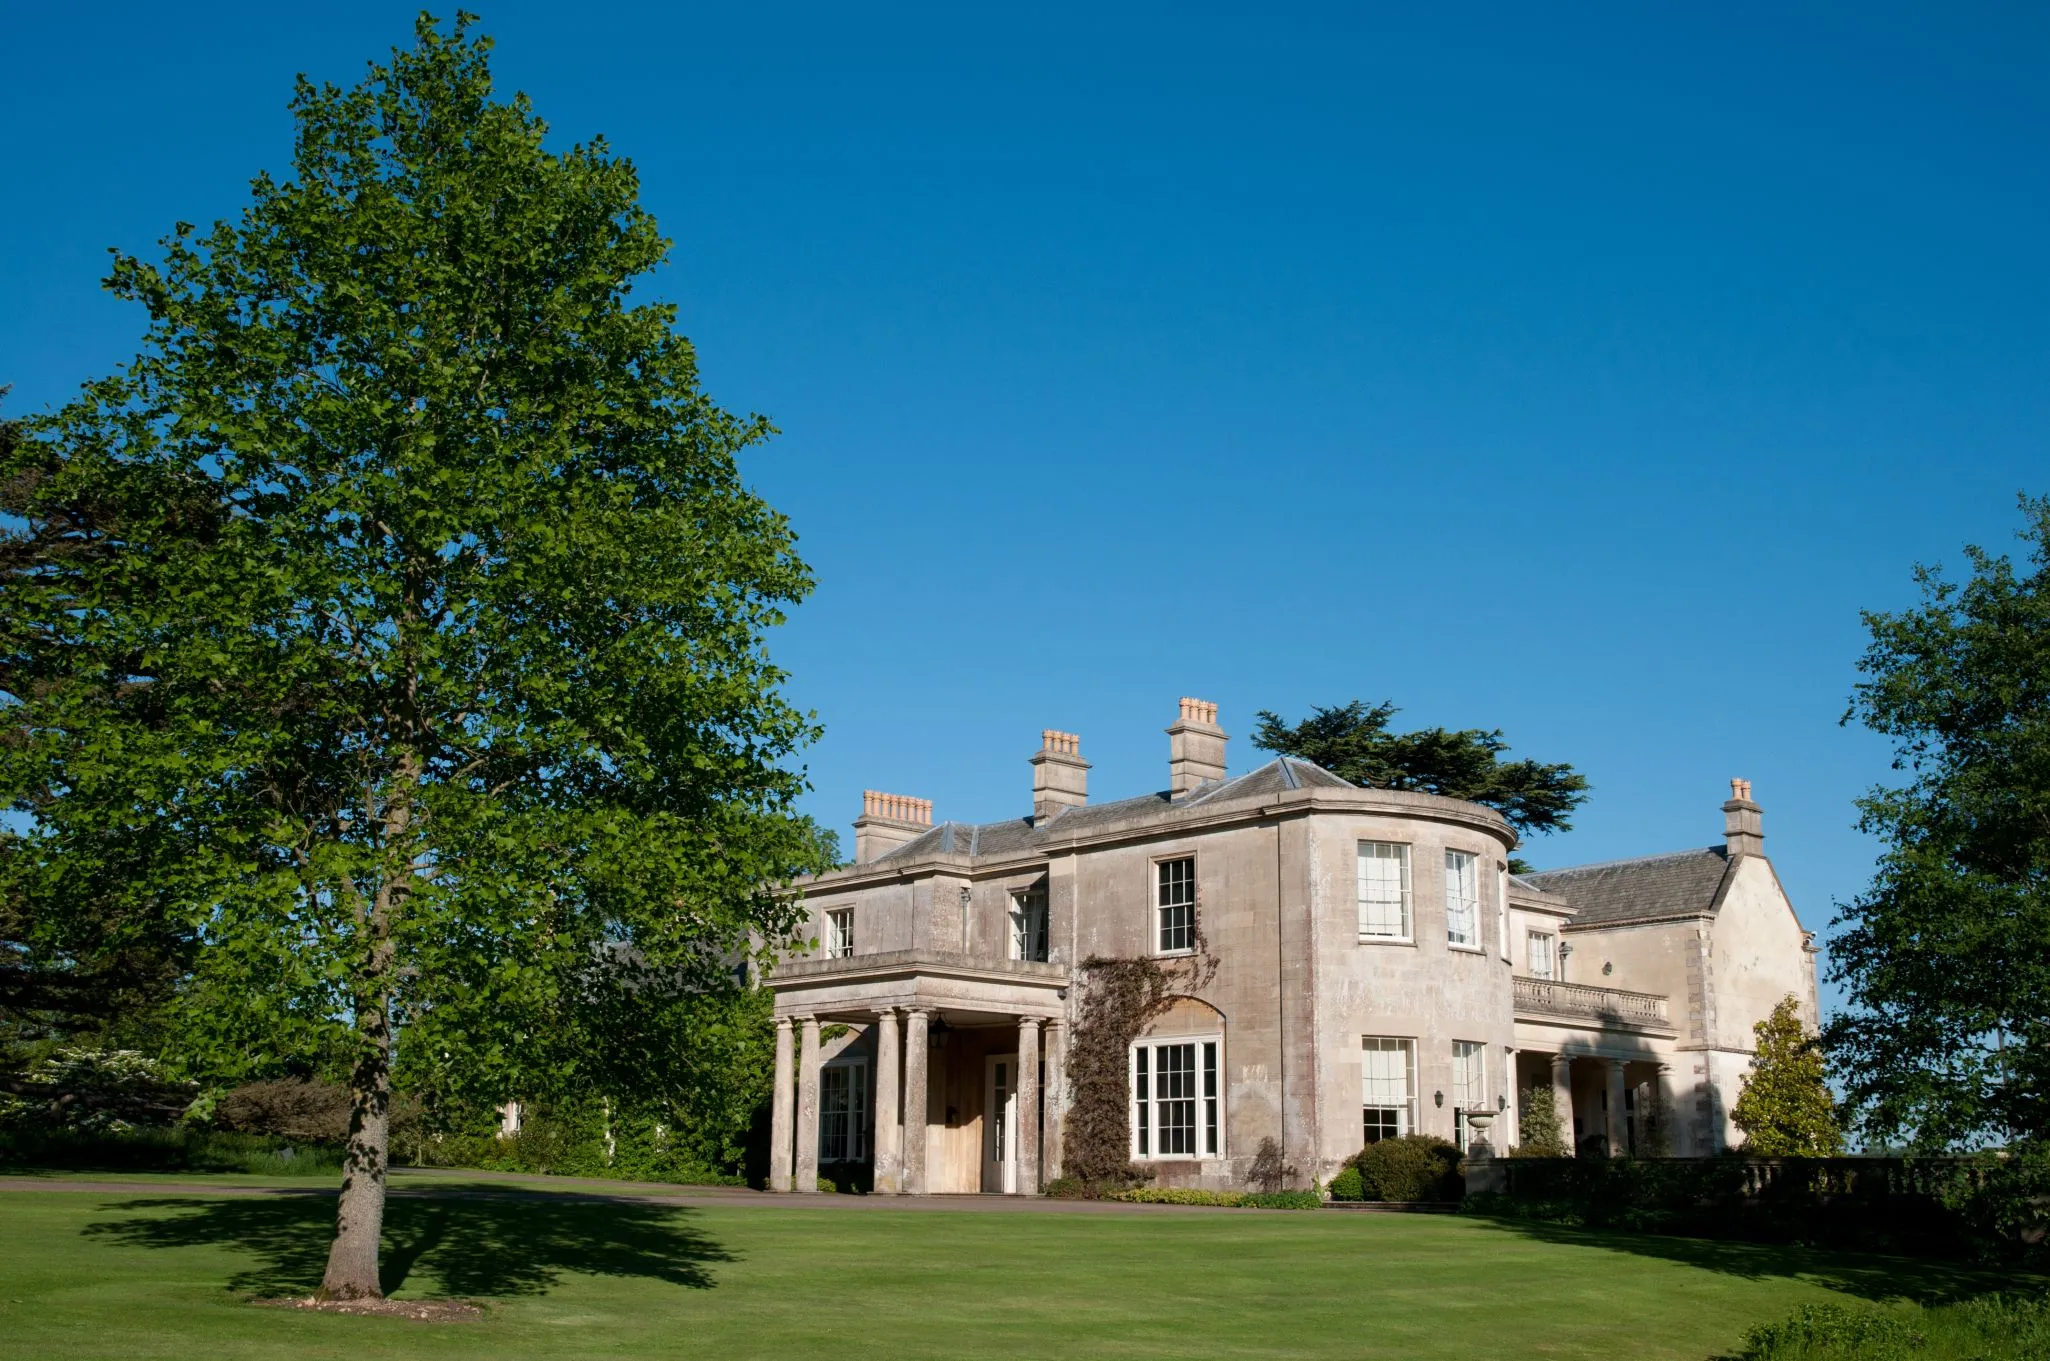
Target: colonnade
{"x": 902, "y": 1084}
{"x": 1615, "y": 1118}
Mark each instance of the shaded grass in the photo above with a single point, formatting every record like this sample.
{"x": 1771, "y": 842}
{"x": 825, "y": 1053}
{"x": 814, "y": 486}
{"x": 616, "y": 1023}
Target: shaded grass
{"x": 142, "y": 1276}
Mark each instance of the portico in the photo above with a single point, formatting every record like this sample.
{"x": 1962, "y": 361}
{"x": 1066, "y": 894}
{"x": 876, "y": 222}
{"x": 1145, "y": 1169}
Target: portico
{"x": 966, "y": 1056}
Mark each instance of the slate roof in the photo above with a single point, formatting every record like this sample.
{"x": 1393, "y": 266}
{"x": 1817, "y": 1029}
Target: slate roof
{"x": 1648, "y": 888}
{"x": 1018, "y": 836}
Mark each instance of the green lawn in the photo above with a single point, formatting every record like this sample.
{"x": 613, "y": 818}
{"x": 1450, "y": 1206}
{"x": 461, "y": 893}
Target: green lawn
{"x": 142, "y": 1274}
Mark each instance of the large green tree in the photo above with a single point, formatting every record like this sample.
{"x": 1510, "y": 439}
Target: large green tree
{"x": 1946, "y": 957}
{"x": 416, "y": 665}
{"x": 1354, "y": 741}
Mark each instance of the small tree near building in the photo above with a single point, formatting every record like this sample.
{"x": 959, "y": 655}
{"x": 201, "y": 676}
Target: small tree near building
{"x": 1786, "y": 1110}
{"x": 1539, "y": 1132}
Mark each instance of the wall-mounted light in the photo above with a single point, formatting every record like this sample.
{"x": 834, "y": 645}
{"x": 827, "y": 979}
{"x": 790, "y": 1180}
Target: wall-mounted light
{"x": 1608, "y": 966}
{"x": 1437, "y": 1098}
{"x": 1501, "y": 1102}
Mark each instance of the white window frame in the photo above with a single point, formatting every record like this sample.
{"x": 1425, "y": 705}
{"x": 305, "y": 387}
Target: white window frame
{"x": 1161, "y": 908}
{"x": 1469, "y": 1085}
{"x": 839, "y": 932}
{"x": 1373, "y": 910}
{"x": 1462, "y": 900}
{"x": 1143, "y": 1062}
{"x": 849, "y": 1121}
{"x": 1541, "y": 948}
{"x": 1374, "y": 1097}
{"x": 1030, "y": 938}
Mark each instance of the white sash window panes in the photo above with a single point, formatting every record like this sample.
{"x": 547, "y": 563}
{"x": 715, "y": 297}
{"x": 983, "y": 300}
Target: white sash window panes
{"x": 1177, "y": 905}
{"x": 1462, "y": 899}
{"x": 1469, "y": 1085}
{"x": 1384, "y": 890}
{"x": 840, "y": 933}
{"x": 1540, "y": 954}
{"x": 1387, "y": 1088}
{"x": 843, "y": 1113}
{"x": 1028, "y": 926}
{"x": 1177, "y": 1110}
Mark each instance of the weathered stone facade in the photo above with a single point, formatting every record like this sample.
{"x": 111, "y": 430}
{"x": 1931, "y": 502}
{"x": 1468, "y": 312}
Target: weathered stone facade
{"x": 1376, "y": 970}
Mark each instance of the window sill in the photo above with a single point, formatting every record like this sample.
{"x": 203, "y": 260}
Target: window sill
{"x": 1174, "y": 954}
{"x": 1466, "y": 949}
{"x": 1388, "y": 940}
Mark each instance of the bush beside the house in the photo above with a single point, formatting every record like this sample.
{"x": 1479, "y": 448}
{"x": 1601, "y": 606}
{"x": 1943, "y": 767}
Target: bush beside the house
{"x": 1413, "y": 1167}
{"x": 1349, "y": 1184}
{"x": 1191, "y": 1195}
{"x": 1989, "y": 1328}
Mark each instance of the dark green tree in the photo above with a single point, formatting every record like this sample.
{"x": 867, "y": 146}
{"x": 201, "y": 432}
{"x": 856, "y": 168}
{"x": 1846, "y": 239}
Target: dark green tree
{"x": 1946, "y": 957}
{"x": 1785, "y": 1109}
{"x": 1353, "y": 740}
{"x": 417, "y": 668}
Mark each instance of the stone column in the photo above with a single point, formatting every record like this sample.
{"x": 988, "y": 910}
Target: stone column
{"x": 806, "y": 1176}
{"x": 1562, "y": 1097}
{"x": 1619, "y": 1137}
{"x": 1056, "y": 1096}
{"x": 1027, "y": 1142}
{"x": 780, "y": 1132}
{"x": 889, "y": 1133}
{"x": 916, "y": 1053}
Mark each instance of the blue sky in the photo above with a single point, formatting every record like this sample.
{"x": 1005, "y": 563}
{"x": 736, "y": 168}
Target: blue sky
{"x": 1579, "y": 374}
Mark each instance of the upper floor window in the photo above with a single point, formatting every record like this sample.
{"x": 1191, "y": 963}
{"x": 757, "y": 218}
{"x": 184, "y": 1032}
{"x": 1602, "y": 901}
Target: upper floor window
{"x": 1387, "y": 1087}
{"x": 1028, "y": 925}
{"x": 1384, "y": 890}
{"x": 1175, "y": 1102}
{"x": 1462, "y": 899}
{"x": 1541, "y": 953}
{"x": 1469, "y": 1084}
{"x": 1177, "y": 905}
{"x": 840, "y": 933}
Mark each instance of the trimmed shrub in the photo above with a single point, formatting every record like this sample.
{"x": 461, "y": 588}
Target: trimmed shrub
{"x": 1413, "y": 1167}
{"x": 1349, "y": 1184}
{"x": 1067, "y": 1188}
{"x": 174, "y": 1148}
{"x": 1190, "y": 1195}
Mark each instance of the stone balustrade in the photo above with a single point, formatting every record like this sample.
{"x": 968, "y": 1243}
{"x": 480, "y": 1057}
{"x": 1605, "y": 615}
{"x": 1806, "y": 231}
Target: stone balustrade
{"x": 1544, "y": 997}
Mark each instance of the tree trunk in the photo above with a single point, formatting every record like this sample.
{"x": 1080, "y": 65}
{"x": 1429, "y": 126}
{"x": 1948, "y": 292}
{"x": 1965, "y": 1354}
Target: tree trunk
{"x": 352, "y": 1263}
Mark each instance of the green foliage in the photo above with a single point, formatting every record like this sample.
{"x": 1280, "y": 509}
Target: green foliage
{"x": 93, "y": 1090}
{"x": 1190, "y": 1195}
{"x": 1067, "y": 1188}
{"x": 1348, "y": 1184}
{"x": 1413, "y": 1167}
{"x": 1540, "y": 1133}
{"x": 1986, "y": 1328}
{"x": 1946, "y": 957}
{"x": 1353, "y": 741}
{"x": 173, "y": 1148}
{"x": 1785, "y": 1109}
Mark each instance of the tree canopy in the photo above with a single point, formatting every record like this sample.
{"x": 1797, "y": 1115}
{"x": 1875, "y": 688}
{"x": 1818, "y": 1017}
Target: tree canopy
{"x": 393, "y": 628}
{"x": 1946, "y": 956}
{"x": 1785, "y": 1109}
{"x": 1354, "y": 741}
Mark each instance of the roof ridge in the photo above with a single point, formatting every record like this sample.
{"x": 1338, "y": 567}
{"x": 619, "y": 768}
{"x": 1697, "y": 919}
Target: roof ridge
{"x": 1628, "y": 860}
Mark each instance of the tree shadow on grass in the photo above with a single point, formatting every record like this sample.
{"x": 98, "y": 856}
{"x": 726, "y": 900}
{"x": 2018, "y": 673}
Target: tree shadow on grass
{"x": 1866, "y": 1275}
{"x": 462, "y": 1241}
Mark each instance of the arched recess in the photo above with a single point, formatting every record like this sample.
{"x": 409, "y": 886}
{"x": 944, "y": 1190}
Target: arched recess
{"x": 1187, "y": 1016}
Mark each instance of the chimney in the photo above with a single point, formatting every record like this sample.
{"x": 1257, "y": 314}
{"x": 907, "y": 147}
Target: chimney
{"x": 1195, "y": 747}
{"x": 887, "y": 821}
{"x": 1743, "y": 822}
{"x": 1060, "y": 777}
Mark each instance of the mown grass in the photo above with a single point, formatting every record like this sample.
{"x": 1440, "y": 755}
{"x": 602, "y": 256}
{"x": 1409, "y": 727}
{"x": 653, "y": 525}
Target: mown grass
{"x": 144, "y": 1274}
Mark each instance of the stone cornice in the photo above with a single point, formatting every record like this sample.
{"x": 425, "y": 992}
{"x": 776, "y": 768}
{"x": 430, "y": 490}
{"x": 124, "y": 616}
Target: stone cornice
{"x": 1175, "y": 820}
{"x": 887, "y": 964}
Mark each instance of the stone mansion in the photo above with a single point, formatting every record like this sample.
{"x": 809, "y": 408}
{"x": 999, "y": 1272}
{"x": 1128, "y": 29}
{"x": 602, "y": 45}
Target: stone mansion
{"x": 1378, "y": 971}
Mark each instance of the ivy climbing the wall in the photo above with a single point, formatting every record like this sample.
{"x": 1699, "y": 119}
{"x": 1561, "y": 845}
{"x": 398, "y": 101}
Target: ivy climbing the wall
{"x": 1120, "y": 998}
